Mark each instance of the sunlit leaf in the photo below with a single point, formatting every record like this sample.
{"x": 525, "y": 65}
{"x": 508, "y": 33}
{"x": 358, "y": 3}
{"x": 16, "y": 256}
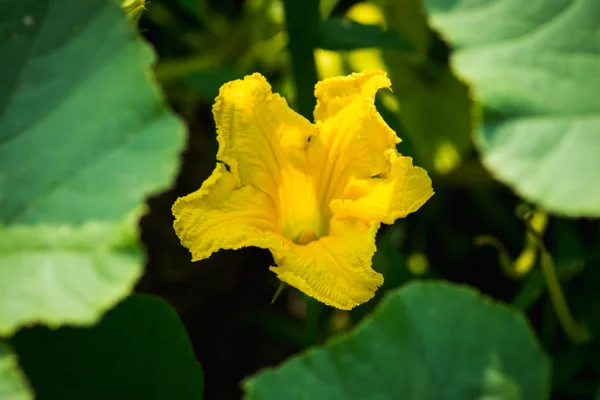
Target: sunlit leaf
{"x": 532, "y": 66}
{"x": 12, "y": 383}
{"x": 85, "y": 137}
{"x": 57, "y": 274}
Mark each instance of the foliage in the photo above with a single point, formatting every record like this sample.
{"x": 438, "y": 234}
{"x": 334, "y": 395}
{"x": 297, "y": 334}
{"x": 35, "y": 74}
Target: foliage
{"x": 144, "y": 354}
{"x": 486, "y": 351}
{"x": 496, "y": 99}
{"x": 536, "y": 134}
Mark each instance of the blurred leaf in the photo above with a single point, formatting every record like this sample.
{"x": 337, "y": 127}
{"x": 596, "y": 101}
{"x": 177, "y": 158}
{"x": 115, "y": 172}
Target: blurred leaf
{"x": 84, "y": 139}
{"x": 140, "y": 350}
{"x": 13, "y": 385}
{"x": 405, "y": 16}
{"x": 532, "y": 67}
{"x": 426, "y": 341}
{"x": 207, "y": 83}
{"x": 345, "y": 34}
{"x": 433, "y": 105}
{"x": 59, "y": 274}
{"x": 173, "y": 69}
{"x": 87, "y": 131}
{"x": 191, "y": 6}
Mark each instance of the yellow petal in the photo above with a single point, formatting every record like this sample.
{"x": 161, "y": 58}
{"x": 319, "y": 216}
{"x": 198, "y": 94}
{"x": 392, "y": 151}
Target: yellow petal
{"x": 404, "y": 189}
{"x": 352, "y": 139}
{"x": 335, "y": 269}
{"x": 258, "y": 133}
{"x": 222, "y": 216}
{"x": 334, "y": 94}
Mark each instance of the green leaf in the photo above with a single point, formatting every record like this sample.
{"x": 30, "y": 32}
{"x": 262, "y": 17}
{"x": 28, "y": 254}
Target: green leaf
{"x": 345, "y": 34}
{"x": 85, "y": 137}
{"x": 13, "y": 385}
{"x": 84, "y": 133}
{"x": 59, "y": 274}
{"x": 140, "y": 350}
{"x": 426, "y": 341}
{"x": 532, "y": 66}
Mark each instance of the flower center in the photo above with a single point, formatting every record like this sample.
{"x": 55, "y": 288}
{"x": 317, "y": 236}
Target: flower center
{"x": 302, "y": 219}
{"x": 306, "y": 236}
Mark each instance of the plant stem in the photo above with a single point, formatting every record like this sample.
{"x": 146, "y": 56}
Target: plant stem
{"x": 278, "y": 292}
{"x": 302, "y": 20}
{"x": 503, "y": 256}
{"x": 576, "y": 332}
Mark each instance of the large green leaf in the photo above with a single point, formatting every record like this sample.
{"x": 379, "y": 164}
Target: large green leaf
{"x": 84, "y": 139}
{"x": 533, "y": 67}
{"x": 140, "y": 350}
{"x": 426, "y": 341}
{"x": 12, "y": 383}
{"x": 83, "y": 130}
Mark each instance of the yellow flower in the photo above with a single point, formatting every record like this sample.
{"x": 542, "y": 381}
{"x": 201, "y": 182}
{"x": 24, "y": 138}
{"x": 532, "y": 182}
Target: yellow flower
{"x": 313, "y": 194}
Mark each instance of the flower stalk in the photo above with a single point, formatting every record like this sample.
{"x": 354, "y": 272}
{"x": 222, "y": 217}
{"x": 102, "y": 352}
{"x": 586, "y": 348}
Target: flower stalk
{"x": 576, "y": 332}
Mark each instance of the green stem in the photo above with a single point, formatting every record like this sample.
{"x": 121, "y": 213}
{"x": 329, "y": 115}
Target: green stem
{"x": 504, "y": 259}
{"x": 278, "y": 292}
{"x": 302, "y": 19}
{"x": 576, "y": 332}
